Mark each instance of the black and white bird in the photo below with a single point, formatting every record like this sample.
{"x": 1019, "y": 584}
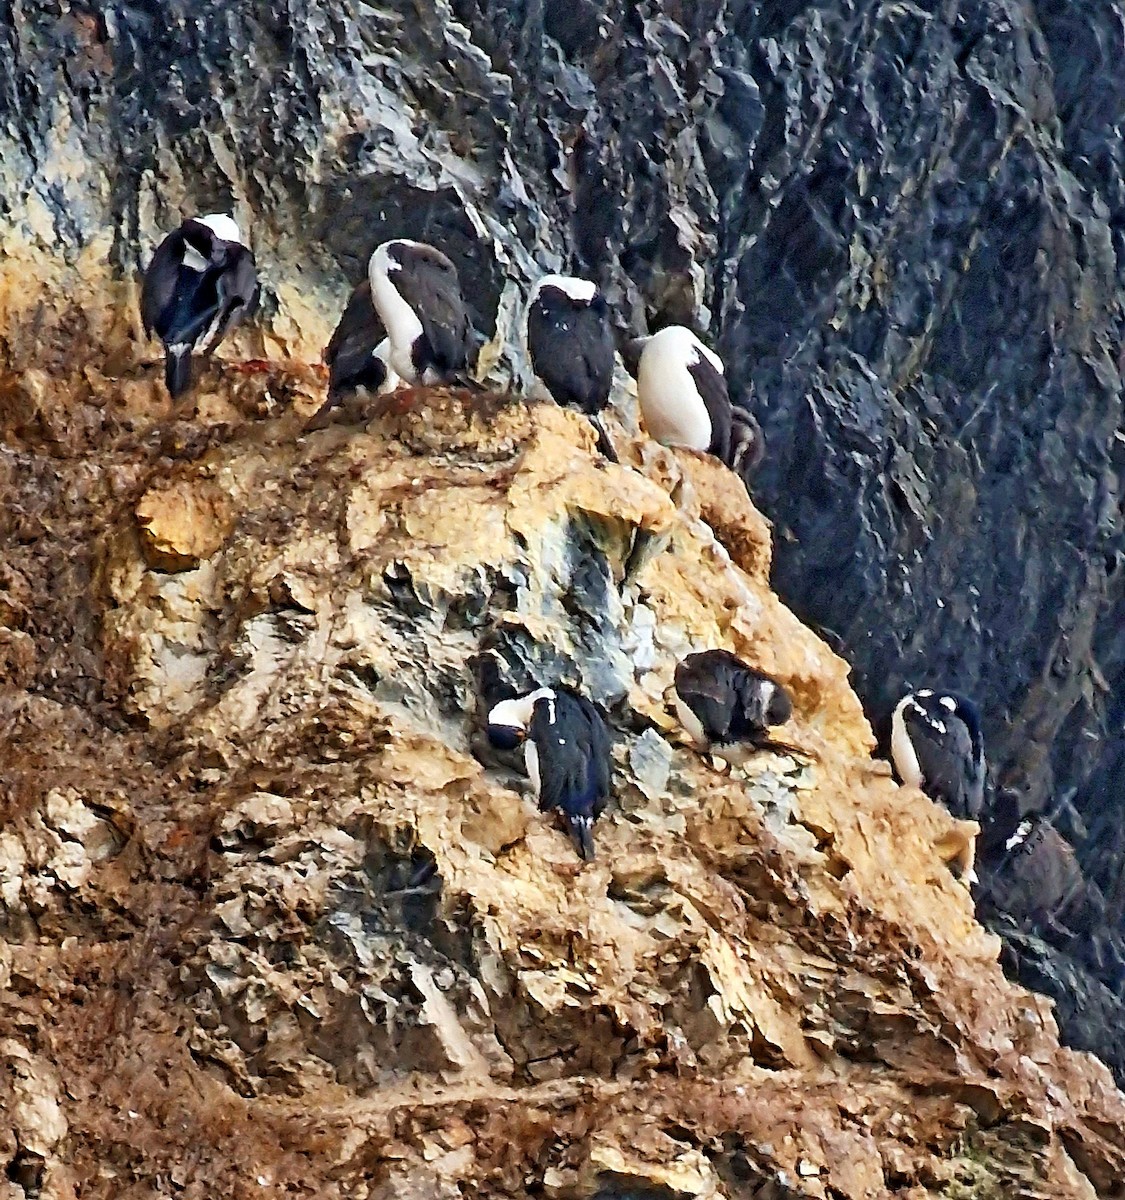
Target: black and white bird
{"x": 357, "y": 355}
{"x": 1032, "y": 873}
{"x": 417, "y": 295}
{"x": 566, "y": 754}
{"x": 682, "y": 392}
{"x": 727, "y": 707}
{"x": 937, "y": 746}
{"x": 201, "y": 283}
{"x": 571, "y": 345}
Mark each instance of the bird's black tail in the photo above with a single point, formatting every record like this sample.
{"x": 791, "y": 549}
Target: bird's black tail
{"x": 605, "y": 446}
{"x": 322, "y": 418}
{"x": 581, "y": 830}
{"x": 177, "y": 370}
{"x": 462, "y": 379}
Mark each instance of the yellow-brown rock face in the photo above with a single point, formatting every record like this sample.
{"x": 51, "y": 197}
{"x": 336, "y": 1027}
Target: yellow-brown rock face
{"x": 270, "y": 929}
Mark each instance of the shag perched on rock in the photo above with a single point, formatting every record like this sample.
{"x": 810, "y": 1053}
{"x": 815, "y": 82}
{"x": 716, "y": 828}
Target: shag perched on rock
{"x": 682, "y": 393}
{"x": 357, "y": 355}
{"x": 937, "y": 746}
{"x": 417, "y": 295}
{"x": 566, "y": 753}
{"x": 728, "y": 707}
{"x": 571, "y": 346}
{"x": 201, "y": 283}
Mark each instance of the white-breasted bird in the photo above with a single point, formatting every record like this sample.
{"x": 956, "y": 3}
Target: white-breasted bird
{"x": 937, "y": 746}
{"x": 566, "y": 755}
{"x": 683, "y": 397}
{"x": 416, "y": 291}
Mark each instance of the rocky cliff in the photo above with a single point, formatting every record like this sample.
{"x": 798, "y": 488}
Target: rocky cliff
{"x": 270, "y": 928}
{"x": 902, "y": 225}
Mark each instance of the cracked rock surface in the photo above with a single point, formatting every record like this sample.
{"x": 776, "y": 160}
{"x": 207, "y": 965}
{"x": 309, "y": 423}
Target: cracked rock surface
{"x": 270, "y": 928}
{"x": 902, "y": 227}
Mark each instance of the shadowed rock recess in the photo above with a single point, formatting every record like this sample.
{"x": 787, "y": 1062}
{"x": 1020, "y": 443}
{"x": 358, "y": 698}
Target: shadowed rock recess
{"x": 267, "y": 927}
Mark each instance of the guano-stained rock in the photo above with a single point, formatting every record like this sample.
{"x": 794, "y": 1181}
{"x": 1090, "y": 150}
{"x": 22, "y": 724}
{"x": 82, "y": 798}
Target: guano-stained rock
{"x": 282, "y": 931}
{"x": 900, "y": 227}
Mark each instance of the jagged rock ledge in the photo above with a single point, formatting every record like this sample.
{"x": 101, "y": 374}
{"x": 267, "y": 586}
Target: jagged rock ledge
{"x": 270, "y": 928}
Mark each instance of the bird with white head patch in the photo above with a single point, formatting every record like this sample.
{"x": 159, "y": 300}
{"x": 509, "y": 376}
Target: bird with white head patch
{"x": 571, "y": 346}
{"x": 683, "y": 397}
{"x": 1032, "y": 873}
{"x": 727, "y": 707}
{"x": 417, "y": 295}
{"x": 200, "y": 284}
{"x": 566, "y": 755}
{"x": 937, "y": 746}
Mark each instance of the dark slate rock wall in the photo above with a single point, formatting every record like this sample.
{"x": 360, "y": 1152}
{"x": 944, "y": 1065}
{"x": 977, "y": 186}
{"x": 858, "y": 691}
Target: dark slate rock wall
{"x": 903, "y": 225}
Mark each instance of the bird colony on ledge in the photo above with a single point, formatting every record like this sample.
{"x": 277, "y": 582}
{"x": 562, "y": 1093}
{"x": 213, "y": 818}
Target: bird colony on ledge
{"x": 407, "y": 324}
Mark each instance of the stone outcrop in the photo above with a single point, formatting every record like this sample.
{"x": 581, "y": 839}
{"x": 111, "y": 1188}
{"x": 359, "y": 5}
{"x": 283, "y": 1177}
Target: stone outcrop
{"x": 269, "y": 927}
{"x": 902, "y": 226}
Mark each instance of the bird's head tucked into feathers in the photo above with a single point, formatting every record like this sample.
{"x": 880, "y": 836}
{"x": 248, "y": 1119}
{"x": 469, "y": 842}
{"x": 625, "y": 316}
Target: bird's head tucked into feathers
{"x": 508, "y": 721}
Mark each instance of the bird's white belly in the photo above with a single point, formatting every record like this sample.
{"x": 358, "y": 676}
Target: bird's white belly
{"x": 693, "y": 726}
{"x": 383, "y": 353}
{"x": 902, "y": 751}
{"x": 403, "y": 327}
{"x": 531, "y": 762}
{"x": 674, "y": 414}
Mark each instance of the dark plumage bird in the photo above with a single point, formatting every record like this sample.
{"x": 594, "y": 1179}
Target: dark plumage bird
{"x": 937, "y": 745}
{"x": 682, "y": 392}
{"x": 417, "y": 295}
{"x": 201, "y": 283}
{"x": 1032, "y": 873}
{"x": 566, "y": 754}
{"x": 357, "y": 356}
{"x": 572, "y": 348}
{"x": 727, "y": 707}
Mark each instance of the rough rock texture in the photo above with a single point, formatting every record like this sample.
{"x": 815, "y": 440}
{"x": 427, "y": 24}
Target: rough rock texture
{"x": 269, "y": 928}
{"x": 901, "y": 224}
